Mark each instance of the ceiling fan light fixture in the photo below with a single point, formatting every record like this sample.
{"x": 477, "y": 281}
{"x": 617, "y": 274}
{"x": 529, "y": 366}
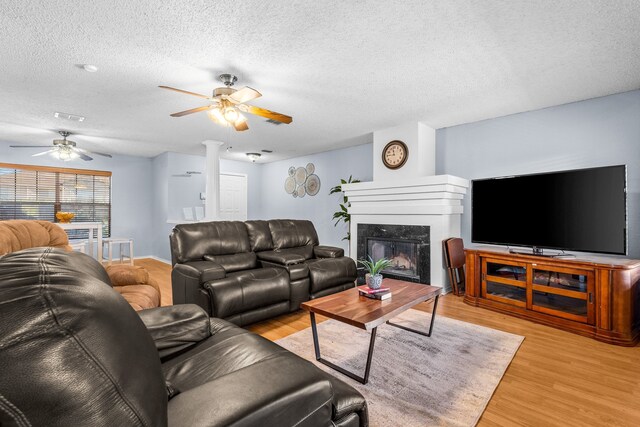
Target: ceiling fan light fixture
{"x": 65, "y": 153}
{"x": 241, "y": 119}
{"x": 231, "y": 114}
{"x": 217, "y": 117}
{"x": 254, "y": 156}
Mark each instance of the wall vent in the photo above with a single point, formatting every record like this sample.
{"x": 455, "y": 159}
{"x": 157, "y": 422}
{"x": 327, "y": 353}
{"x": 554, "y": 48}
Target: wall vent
{"x": 67, "y": 116}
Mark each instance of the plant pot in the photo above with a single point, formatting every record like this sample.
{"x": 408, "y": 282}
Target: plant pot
{"x": 374, "y": 282}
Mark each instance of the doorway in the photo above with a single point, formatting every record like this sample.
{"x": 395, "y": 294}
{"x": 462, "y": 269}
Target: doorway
{"x": 233, "y": 197}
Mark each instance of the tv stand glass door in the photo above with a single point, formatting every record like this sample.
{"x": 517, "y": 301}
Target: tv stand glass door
{"x": 563, "y": 292}
{"x": 505, "y": 281}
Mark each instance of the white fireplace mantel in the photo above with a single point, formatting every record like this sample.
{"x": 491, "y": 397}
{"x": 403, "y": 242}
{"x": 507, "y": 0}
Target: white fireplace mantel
{"x": 435, "y": 201}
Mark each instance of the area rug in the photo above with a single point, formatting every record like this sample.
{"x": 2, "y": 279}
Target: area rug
{"x": 444, "y": 380}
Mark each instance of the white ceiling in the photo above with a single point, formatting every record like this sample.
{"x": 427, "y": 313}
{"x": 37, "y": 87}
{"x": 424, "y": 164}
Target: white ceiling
{"x": 341, "y": 68}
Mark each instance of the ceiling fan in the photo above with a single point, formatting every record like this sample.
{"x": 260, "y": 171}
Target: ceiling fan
{"x": 63, "y": 149}
{"x": 227, "y": 104}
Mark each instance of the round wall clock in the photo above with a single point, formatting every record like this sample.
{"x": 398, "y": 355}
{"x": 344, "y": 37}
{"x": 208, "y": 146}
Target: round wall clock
{"x": 395, "y": 154}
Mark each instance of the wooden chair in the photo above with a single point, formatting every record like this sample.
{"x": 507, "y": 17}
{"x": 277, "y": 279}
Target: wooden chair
{"x": 454, "y": 258}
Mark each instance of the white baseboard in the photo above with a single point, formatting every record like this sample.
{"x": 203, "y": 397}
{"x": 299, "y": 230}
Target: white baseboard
{"x": 166, "y": 261}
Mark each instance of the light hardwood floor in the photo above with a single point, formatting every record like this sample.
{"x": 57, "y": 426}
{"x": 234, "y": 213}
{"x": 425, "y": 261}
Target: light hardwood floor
{"x": 556, "y": 378}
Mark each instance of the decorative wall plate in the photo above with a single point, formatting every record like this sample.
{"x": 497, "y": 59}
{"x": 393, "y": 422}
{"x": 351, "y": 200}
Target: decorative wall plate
{"x": 292, "y": 170}
{"x": 300, "y": 175}
{"x": 290, "y": 185}
{"x": 312, "y": 185}
{"x": 301, "y": 191}
{"x": 311, "y": 168}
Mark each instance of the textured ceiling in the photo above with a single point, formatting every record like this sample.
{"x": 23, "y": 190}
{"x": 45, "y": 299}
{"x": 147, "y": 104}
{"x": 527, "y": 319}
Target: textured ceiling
{"x": 342, "y": 69}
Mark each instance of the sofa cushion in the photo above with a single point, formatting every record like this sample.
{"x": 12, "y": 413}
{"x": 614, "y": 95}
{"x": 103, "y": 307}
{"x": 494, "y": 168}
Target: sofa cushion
{"x": 329, "y": 272}
{"x": 247, "y": 290}
{"x": 235, "y": 262}
{"x": 291, "y": 233}
{"x": 231, "y": 349}
{"x": 191, "y": 242}
{"x": 259, "y": 235}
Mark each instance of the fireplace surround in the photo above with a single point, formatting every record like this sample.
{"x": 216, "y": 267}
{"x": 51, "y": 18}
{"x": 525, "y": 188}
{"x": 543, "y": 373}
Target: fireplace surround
{"x": 407, "y": 246}
{"x": 432, "y": 201}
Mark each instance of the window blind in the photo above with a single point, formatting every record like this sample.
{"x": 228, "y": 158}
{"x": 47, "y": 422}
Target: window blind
{"x": 38, "y": 192}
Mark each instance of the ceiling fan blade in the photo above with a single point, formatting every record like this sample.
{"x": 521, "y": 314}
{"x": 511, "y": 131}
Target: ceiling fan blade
{"x": 269, "y": 114}
{"x": 185, "y": 91}
{"x": 29, "y": 146}
{"x": 241, "y": 126}
{"x": 93, "y": 152}
{"x": 83, "y": 156}
{"x": 193, "y": 110}
{"x": 243, "y": 95}
{"x": 44, "y": 152}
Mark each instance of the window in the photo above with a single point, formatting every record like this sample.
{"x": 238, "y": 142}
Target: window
{"x": 38, "y": 192}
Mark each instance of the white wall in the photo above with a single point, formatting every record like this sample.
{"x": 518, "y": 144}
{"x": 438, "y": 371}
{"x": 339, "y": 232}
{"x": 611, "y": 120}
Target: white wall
{"x": 330, "y": 167}
{"x": 420, "y": 140}
{"x": 131, "y": 190}
{"x": 597, "y": 132}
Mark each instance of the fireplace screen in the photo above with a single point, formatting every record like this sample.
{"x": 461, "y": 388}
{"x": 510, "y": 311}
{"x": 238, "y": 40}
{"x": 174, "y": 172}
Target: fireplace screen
{"x": 403, "y": 255}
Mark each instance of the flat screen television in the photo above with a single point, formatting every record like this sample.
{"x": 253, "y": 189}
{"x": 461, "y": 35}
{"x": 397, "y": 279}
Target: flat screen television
{"x": 581, "y": 210}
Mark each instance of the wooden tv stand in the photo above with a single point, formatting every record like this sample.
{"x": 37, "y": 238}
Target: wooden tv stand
{"x": 594, "y": 296}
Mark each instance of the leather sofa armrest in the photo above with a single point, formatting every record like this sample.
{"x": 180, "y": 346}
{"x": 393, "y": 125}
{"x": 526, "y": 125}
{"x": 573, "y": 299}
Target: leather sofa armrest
{"x": 327, "y": 252}
{"x": 282, "y": 258}
{"x": 176, "y": 327}
{"x": 260, "y": 394}
{"x": 201, "y": 270}
{"x": 187, "y": 280}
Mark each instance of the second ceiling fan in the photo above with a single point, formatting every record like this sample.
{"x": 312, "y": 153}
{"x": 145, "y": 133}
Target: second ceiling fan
{"x": 227, "y": 105}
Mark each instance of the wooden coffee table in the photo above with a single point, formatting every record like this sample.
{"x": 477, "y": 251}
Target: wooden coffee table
{"x": 365, "y": 313}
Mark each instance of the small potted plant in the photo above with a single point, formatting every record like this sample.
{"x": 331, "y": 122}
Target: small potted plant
{"x": 374, "y": 278}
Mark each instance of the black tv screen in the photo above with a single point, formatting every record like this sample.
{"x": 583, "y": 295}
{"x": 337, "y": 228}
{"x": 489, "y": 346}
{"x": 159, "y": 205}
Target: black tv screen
{"x": 581, "y": 210}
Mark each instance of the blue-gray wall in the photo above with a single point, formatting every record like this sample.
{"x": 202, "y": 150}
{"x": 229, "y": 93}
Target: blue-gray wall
{"x": 597, "y": 132}
{"x": 330, "y": 167}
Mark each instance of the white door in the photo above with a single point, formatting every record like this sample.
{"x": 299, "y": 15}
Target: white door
{"x": 233, "y": 197}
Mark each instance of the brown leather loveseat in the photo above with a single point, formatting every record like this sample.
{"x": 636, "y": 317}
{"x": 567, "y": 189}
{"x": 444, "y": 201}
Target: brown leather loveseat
{"x": 249, "y": 271}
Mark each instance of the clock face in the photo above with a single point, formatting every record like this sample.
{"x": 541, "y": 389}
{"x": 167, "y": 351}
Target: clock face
{"x": 395, "y": 154}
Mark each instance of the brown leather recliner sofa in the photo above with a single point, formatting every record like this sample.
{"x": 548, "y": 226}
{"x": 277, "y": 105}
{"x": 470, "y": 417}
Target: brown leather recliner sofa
{"x": 74, "y": 353}
{"x": 249, "y": 271}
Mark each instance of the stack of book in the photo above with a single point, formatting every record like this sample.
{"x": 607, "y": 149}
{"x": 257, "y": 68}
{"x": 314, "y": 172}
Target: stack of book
{"x": 381, "y": 293}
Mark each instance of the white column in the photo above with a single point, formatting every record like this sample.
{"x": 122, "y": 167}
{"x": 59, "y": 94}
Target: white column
{"x": 212, "y": 203}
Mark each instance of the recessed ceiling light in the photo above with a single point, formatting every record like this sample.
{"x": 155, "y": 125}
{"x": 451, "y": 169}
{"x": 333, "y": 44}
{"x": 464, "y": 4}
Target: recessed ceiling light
{"x": 90, "y": 68}
{"x": 267, "y": 151}
{"x": 67, "y": 116}
{"x": 254, "y": 156}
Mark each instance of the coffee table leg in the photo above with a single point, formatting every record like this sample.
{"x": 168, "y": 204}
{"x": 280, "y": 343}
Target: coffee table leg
{"x": 316, "y": 346}
{"x": 433, "y": 317}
